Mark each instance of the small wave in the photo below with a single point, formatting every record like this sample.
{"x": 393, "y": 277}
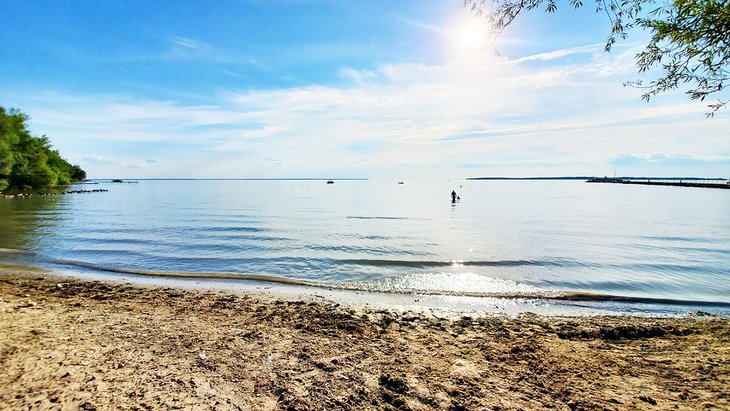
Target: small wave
{"x": 582, "y": 296}
{"x": 462, "y": 263}
{"x": 355, "y": 217}
{"x": 373, "y": 237}
{"x": 172, "y": 274}
{"x": 16, "y": 251}
{"x": 702, "y": 250}
{"x": 233, "y": 229}
{"x": 678, "y": 239}
{"x": 354, "y": 249}
{"x": 678, "y": 249}
{"x": 696, "y": 269}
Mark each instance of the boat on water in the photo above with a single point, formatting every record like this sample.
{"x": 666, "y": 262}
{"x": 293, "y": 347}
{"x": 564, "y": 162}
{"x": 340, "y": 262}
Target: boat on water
{"x": 330, "y": 182}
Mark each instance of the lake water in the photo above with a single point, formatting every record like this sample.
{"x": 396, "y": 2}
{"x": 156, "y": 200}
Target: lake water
{"x": 503, "y": 238}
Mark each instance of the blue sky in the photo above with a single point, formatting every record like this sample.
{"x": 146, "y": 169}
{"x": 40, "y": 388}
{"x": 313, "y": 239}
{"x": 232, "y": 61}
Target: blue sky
{"x": 378, "y": 89}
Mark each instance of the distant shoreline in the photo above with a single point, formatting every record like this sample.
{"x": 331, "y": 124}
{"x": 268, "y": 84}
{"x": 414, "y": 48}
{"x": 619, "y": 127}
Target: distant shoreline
{"x": 235, "y": 179}
{"x": 592, "y": 177}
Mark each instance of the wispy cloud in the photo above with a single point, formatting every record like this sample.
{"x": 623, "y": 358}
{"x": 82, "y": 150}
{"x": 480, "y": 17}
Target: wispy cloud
{"x": 556, "y": 54}
{"x": 187, "y": 49}
{"x": 422, "y": 25}
{"x": 188, "y": 43}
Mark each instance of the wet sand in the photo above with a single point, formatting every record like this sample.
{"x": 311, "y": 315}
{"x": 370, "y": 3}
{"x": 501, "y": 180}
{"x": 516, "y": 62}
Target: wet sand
{"x": 79, "y": 344}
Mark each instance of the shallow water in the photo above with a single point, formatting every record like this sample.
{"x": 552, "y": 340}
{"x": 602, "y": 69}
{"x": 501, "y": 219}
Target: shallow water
{"x": 505, "y": 238}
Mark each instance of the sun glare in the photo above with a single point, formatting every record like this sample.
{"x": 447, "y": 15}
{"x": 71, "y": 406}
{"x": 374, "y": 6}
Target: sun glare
{"x": 473, "y": 36}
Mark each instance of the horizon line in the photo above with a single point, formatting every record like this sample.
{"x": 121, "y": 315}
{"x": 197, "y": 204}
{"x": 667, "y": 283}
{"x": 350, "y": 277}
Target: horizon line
{"x": 233, "y": 179}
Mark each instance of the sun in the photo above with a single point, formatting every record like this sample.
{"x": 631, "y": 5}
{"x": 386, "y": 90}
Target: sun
{"x": 472, "y": 36}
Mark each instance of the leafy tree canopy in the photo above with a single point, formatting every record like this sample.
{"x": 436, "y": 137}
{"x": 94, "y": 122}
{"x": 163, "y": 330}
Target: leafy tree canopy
{"x": 690, "y": 39}
{"x": 28, "y": 162}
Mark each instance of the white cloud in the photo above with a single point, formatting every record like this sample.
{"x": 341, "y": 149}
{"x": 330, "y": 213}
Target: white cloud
{"x": 358, "y": 76}
{"x": 480, "y": 110}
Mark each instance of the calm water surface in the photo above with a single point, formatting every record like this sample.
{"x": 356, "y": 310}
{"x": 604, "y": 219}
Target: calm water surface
{"x": 503, "y": 237}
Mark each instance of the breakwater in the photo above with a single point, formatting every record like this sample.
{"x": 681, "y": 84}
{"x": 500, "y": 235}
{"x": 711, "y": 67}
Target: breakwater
{"x": 51, "y": 193}
{"x": 674, "y": 183}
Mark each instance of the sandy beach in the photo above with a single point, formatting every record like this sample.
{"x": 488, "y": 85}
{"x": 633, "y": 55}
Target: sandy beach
{"x": 79, "y": 344}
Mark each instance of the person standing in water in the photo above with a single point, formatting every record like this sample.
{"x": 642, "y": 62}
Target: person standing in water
{"x": 453, "y": 196}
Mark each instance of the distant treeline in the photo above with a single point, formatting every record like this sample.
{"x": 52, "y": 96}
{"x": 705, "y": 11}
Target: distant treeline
{"x": 28, "y": 162}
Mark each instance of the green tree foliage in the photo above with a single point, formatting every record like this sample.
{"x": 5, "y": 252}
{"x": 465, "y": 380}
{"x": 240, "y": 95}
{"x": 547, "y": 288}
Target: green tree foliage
{"x": 28, "y": 162}
{"x": 690, "y": 39}
{"x": 77, "y": 174}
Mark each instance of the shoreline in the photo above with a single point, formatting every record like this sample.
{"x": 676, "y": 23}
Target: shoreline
{"x": 448, "y": 304}
{"x": 99, "y": 345}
